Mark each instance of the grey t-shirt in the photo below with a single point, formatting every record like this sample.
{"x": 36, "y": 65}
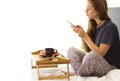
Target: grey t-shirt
{"x": 108, "y": 34}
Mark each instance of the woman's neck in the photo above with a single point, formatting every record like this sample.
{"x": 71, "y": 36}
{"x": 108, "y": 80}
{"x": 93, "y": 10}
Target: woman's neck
{"x": 99, "y": 22}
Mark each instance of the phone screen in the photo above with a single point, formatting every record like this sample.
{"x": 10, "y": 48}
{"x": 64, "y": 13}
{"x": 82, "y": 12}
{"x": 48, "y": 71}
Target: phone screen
{"x": 70, "y": 23}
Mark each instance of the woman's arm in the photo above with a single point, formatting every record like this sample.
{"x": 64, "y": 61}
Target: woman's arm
{"x": 102, "y": 49}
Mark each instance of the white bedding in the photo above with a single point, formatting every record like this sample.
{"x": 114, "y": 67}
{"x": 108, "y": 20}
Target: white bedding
{"x": 113, "y": 75}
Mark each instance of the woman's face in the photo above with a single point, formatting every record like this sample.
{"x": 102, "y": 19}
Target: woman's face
{"x": 90, "y": 11}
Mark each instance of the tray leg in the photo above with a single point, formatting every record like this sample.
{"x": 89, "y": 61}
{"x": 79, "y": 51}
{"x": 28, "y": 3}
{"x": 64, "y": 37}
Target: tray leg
{"x": 68, "y": 72}
{"x": 38, "y": 71}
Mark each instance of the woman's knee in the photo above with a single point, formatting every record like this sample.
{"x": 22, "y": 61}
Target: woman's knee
{"x": 75, "y": 55}
{"x": 91, "y": 56}
{"x": 70, "y": 51}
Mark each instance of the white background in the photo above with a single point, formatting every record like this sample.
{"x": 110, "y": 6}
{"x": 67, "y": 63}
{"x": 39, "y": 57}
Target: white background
{"x": 30, "y": 25}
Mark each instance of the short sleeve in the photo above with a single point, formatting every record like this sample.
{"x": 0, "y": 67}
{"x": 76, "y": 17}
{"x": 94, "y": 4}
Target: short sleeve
{"x": 108, "y": 35}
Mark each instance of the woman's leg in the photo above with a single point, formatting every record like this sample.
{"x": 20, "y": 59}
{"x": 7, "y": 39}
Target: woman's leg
{"x": 76, "y": 57}
{"x": 94, "y": 64}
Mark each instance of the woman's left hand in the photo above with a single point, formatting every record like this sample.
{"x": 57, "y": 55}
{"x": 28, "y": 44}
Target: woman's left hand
{"x": 78, "y": 29}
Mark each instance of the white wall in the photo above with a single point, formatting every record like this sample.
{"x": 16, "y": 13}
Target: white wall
{"x": 29, "y": 25}
{"x": 113, "y": 3}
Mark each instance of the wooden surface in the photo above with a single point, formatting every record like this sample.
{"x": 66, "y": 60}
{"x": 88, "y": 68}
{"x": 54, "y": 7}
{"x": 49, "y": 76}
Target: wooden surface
{"x": 49, "y": 62}
{"x": 53, "y": 77}
{"x": 55, "y": 60}
{"x": 60, "y": 59}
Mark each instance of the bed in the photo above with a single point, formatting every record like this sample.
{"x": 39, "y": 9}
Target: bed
{"x": 113, "y": 75}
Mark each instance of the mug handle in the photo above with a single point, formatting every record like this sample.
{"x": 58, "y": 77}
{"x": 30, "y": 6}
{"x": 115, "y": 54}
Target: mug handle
{"x": 55, "y": 50}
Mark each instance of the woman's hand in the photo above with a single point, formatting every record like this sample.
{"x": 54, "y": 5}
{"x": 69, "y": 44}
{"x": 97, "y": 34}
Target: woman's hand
{"x": 79, "y": 30}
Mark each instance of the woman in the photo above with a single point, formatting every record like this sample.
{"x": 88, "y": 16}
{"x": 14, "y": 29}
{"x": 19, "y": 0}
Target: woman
{"x": 101, "y": 43}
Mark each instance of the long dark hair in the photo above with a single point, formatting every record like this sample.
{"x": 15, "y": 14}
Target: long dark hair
{"x": 101, "y": 7}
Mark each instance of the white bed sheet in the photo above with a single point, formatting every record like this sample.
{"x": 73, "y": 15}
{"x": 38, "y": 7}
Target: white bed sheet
{"x": 113, "y": 75}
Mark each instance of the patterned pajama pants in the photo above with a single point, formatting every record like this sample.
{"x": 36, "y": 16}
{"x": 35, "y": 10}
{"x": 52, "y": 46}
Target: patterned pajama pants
{"x": 89, "y": 64}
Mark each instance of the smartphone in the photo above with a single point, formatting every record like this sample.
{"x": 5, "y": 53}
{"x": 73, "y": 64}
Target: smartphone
{"x": 70, "y": 23}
